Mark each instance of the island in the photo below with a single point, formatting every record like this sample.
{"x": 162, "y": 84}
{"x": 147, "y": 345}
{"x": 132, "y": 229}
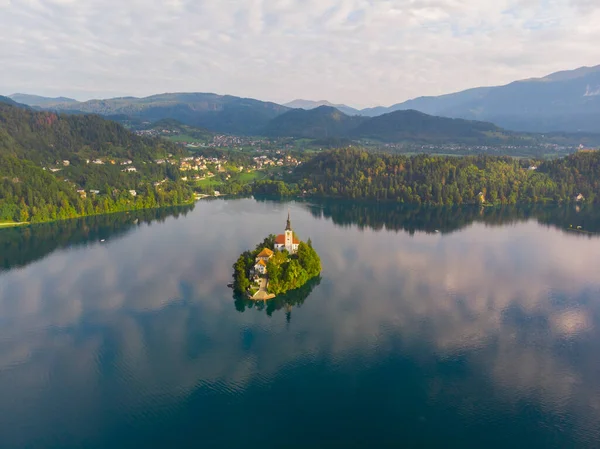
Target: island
{"x": 278, "y": 265}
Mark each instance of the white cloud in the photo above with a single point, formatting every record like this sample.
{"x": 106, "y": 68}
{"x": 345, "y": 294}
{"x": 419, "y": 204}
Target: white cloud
{"x": 354, "y": 51}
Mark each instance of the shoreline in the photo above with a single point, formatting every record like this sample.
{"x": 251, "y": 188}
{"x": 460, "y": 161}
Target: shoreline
{"x": 7, "y": 225}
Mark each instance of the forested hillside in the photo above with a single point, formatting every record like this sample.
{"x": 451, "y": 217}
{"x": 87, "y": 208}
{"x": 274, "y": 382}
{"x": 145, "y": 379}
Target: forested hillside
{"x": 442, "y": 180}
{"x": 222, "y": 113}
{"x": 59, "y": 166}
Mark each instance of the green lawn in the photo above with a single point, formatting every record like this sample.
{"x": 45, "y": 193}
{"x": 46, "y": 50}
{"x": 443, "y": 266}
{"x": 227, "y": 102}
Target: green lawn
{"x": 209, "y": 182}
{"x": 9, "y": 224}
{"x": 250, "y": 177}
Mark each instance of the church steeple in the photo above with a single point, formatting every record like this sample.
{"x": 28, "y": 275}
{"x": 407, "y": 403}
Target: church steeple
{"x": 289, "y": 223}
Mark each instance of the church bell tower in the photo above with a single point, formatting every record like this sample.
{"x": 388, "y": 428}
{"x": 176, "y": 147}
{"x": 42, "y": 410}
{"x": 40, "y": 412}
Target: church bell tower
{"x": 289, "y": 235}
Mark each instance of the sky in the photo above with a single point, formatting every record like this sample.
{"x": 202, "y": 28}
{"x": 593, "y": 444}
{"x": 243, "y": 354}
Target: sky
{"x": 358, "y": 52}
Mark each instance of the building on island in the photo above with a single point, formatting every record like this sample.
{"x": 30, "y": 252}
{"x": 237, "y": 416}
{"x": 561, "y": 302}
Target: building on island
{"x": 264, "y": 255}
{"x": 260, "y": 267}
{"x": 287, "y": 241}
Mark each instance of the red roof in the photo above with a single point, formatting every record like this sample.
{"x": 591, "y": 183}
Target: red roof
{"x": 280, "y": 240}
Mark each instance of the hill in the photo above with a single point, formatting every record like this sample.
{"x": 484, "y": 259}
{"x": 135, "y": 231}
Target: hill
{"x": 308, "y": 104}
{"x": 326, "y": 122}
{"x": 42, "y": 102}
{"x": 221, "y": 113}
{"x": 45, "y": 137}
{"x": 10, "y": 101}
{"x": 318, "y": 123}
{"x": 56, "y": 166}
{"x": 415, "y": 126}
{"x": 177, "y": 131}
{"x": 563, "y": 101}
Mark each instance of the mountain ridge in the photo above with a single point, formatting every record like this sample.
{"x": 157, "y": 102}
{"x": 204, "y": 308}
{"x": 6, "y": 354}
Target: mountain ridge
{"x": 567, "y": 100}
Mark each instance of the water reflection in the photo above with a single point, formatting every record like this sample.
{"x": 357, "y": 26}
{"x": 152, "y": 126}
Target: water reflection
{"x": 285, "y": 302}
{"x": 22, "y": 245}
{"x": 485, "y": 337}
{"x": 411, "y": 219}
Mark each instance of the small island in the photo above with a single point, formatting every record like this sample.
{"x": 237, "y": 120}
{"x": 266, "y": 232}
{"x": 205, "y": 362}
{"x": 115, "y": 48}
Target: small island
{"x": 278, "y": 265}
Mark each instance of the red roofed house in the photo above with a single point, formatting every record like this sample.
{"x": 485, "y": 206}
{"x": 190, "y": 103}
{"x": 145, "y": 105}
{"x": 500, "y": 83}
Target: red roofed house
{"x": 287, "y": 241}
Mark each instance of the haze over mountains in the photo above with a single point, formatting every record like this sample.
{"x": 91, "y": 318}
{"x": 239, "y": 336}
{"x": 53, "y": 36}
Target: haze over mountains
{"x": 567, "y": 101}
{"x": 563, "y": 101}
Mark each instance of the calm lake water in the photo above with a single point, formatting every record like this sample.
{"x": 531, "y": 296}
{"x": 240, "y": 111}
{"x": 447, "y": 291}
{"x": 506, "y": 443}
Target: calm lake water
{"x": 449, "y": 328}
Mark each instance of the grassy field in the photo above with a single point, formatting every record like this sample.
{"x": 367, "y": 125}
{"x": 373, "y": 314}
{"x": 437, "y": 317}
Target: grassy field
{"x": 250, "y": 177}
{"x": 209, "y": 182}
{"x": 10, "y": 224}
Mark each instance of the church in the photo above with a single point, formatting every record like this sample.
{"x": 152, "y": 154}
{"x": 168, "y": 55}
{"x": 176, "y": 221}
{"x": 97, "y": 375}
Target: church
{"x": 287, "y": 241}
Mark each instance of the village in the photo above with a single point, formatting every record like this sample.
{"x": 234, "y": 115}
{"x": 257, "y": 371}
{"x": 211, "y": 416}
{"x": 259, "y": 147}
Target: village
{"x": 205, "y": 172}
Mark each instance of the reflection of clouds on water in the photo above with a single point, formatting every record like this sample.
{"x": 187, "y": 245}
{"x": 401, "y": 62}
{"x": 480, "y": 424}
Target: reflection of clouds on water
{"x": 505, "y": 297}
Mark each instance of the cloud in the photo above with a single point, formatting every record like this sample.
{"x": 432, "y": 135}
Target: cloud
{"x": 157, "y": 294}
{"x": 355, "y": 51}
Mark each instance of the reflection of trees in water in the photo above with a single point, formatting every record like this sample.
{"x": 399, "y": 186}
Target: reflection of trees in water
{"x": 412, "y": 219}
{"x": 287, "y": 302}
{"x": 22, "y": 245}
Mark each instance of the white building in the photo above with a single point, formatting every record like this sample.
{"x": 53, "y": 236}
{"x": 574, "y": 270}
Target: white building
{"x": 287, "y": 241}
{"x": 260, "y": 267}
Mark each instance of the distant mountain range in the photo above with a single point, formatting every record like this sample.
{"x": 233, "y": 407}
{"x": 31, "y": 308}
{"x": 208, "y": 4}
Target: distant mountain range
{"x": 308, "y": 105}
{"x": 42, "y": 102}
{"x": 563, "y": 101}
{"x": 566, "y": 101}
{"x": 221, "y": 113}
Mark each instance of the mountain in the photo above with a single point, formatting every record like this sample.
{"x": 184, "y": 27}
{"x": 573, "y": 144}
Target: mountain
{"x": 221, "y": 113}
{"x": 416, "y": 126}
{"x": 45, "y": 137}
{"x": 309, "y": 104}
{"x": 321, "y": 122}
{"x": 58, "y": 166}
{"x": 563, "y": 101}
{"x": 8, "y": 100}
{"x": 399, "y": 126}
{"x": 42, "y": 102}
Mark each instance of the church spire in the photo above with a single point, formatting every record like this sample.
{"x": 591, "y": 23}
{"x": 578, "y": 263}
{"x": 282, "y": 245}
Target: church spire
{"x": 289, "y": 223}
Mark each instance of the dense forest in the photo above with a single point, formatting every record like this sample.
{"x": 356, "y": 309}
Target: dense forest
{"x": 47, "y": 169}
{"x": 442, "y": 180}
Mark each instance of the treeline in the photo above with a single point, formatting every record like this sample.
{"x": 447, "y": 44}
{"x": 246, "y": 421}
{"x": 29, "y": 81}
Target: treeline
{"x": 30, "y": 194}
{"x": 397, "y": 217}
{"x": 442, "y": 180}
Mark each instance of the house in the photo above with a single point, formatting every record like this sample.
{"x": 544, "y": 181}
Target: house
{"x": 288, "y": 240}
{"x": 95, "y": 192}
{"x": 265, "y": 255}
{"x": 133, "y": 193}
{"x": 260, "y": 267}
{"x": 82, "y": 193}
{"x": 130, "y": 169}
{"x": 580, "y": 198}
{"x": 66, "y": 163}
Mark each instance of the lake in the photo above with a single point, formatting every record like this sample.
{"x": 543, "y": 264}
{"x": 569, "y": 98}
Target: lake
{"x": 449, "y": 328}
